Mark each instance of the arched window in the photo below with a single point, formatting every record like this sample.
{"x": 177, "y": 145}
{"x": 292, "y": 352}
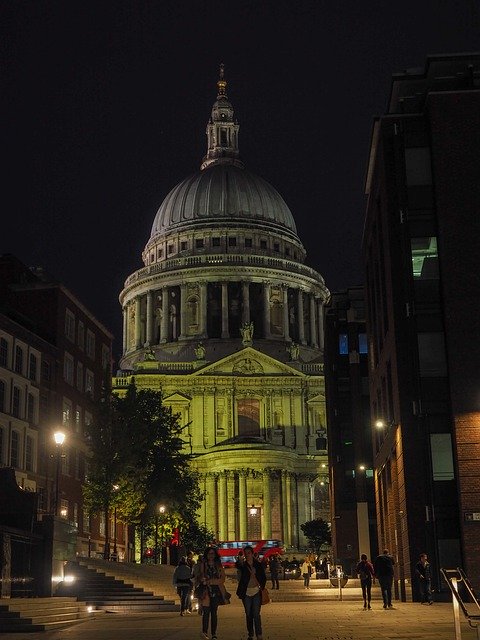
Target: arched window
{"x": 15, "y": 450}
{"x": 2, "y": 395}
{"x": 3, "y": 352}
{"x": 248, "y": 417}
{"x": 18, "y": 359}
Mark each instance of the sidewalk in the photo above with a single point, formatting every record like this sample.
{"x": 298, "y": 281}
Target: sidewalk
{"x": 281, "y": 621}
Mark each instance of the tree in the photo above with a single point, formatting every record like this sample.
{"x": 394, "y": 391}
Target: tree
{"x": 138, "y": 463}
{"x": 317, "y": 533}
{"x": 196, "y": 537}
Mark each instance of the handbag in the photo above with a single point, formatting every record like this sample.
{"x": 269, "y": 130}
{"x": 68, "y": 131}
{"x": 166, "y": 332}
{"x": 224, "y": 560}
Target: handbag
{"x": 200, "y": 591}
{"x": 264, "y": 595}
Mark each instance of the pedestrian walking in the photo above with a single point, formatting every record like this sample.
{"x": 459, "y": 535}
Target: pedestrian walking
{"x": 211, "y": 591}
{"x": 191, "y": 563}
{"x": 274, "y": 566}
{"x": 182, "y": 581}
{"x": 306, "y": 573}
{"x": 324, "y": 568}
{"x": 252, "y": 581}
{"x": 424, "y": 577}
{"x": 384, "y": 570}
{"x": 366, "y": 574}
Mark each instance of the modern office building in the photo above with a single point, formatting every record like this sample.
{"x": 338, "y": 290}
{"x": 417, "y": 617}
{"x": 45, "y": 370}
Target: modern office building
{"x": 225, "y": 318}
{"x": 350, "y": 451}
{"x": 421, "y": 253}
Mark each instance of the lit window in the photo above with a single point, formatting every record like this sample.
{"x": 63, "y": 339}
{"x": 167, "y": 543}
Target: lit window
{"x": 64, "y": 508}
{"x": 425, "y": 258}
{"x": 343, "y": 344}
{"x": 66, "y": 413}
{"x": 362, "y": 343}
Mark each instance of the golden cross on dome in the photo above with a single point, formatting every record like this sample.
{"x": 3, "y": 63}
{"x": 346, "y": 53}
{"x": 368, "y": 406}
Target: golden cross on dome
{"x": 222, "y": 83}
{"x": 222, "y": 69}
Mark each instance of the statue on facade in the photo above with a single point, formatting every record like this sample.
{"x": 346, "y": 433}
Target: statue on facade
{"x": 246, "y": 331}
{"x": 200, "y": 351}
{"x": 149, "y": 355}
{"x": 294, "y": 351}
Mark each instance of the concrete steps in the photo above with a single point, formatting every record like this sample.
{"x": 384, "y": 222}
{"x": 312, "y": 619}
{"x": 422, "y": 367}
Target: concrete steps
{"x": 110, "y": 594}
{"x": 41, "y": 614}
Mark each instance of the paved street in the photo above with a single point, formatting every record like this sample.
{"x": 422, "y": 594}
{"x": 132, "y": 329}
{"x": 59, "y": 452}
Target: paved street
{"x": 282, "y": 621}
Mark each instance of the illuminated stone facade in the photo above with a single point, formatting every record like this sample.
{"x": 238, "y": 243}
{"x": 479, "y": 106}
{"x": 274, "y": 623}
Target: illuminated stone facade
{"x": 226, "y": 320}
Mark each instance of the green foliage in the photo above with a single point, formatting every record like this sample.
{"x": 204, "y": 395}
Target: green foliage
{"x": 317, "y": 533}
{"x": 196, "y": 537}
{"x": 136, "y": 446}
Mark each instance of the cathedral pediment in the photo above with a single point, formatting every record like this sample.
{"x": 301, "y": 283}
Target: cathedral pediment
{"x": 248, "y": 362}
{"x": 177, "y": 398}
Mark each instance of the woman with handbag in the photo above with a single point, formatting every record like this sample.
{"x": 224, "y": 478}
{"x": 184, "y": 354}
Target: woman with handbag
{"x": 251, "y": 587}
{"x": 210, "y": 591}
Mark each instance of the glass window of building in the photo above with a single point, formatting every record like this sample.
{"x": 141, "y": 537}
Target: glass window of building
{"x": 70, "y": 325}
{"x": 232, "y": 242}
{"x": 248, "y": 243}
{"x": 68, "y": 365}
{"x": 362, "y": 343}
{"x": 79, "y": 376}
{"x": 64, "y": 508}
{"x": 78, "y": 420}
{"x": 183, "y": 245}
{"x": 170, "y": 249}
{"x": 66, "y": 412}
{"x": 81, "y": 335}
{"x": 418, "y": 167}
{"x": 32, "y": 367}
{"x": 18, "y": 360}
{"x": 16, "y": 402}
{"x": 106, "y": 360}
{"x": 2, "y": 446}
{"x": 343, "y": 344}
{"x": 46, "y": 371}
{"x": 3, "y": 352}
{"x": 248, "y": 416}
{"x": 276, "y": 247}
{"x": 431, "y": 354}
{"x": 425, "y": 258}
{"x": 2, "y": 395}
{"x": 29, "y": 457}
{"x": 199, "y": 243}
{"x": 15, "y": 450}
{"x": 90, "y": 344}
{"x": 287, "y": 251}
{"x": 263, "y": 244}
{"x": 31, "y": 408}
{"x": 89, "y": 382}
{"x": 215, "y": 242}
{"x": 442, "y": 456}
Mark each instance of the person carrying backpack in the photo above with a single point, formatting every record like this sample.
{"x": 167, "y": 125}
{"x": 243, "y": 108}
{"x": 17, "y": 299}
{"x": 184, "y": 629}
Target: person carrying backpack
{"x": 366, "y": 574}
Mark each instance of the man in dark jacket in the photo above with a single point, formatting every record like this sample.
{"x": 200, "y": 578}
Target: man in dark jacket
{"x": 274, "y": 566}
{"x": 424, "y": 577}
{"x": 384, "y": 571}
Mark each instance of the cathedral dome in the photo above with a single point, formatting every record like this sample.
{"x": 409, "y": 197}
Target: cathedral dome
{"x": 222, "y": 193}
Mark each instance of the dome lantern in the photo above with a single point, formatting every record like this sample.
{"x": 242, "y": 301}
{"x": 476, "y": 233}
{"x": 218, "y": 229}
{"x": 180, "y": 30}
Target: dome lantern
{"x": 222, "y": 130}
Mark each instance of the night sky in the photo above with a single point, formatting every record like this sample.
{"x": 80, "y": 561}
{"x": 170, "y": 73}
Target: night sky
{"x": 104, "y": 106}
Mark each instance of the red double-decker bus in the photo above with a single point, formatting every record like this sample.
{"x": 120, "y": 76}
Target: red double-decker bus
{"x": 228, "y": 551}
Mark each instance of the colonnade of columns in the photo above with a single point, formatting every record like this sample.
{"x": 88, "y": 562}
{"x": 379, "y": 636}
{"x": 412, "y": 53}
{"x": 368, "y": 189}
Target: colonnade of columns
{"x": 146, "y": 309}
{"x": 283, "y": 501}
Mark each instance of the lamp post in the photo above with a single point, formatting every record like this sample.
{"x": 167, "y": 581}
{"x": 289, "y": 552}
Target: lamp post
{"x": 59, "y": 438}
{"x": 161, "y": 511}
{"x": 115, "y": 489}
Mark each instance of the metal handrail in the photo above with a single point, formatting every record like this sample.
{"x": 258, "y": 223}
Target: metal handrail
{"x": 454, "y": 577}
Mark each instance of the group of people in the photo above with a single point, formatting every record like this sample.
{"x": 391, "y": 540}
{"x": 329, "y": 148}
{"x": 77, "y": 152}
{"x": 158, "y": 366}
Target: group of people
{"x": 207, "y": 580}
{"x": 383, "y": 570}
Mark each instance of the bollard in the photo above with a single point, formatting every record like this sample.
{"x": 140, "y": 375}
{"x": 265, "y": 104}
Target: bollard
{"x": 339, "y": 577}
{"x": 456, "y": 611}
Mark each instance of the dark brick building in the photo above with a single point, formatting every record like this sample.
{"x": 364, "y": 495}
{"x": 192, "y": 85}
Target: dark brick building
{"x": 72, "y": 351}
{"x": 349, "y": 429}
{"x": 421, "y": 253}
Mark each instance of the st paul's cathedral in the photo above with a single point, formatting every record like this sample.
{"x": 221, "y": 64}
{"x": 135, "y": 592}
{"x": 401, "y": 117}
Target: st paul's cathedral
{"x": 226, "y": 320}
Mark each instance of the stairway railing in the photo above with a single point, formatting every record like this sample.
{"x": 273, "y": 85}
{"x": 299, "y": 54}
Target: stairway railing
{"x": 471, "y": 608}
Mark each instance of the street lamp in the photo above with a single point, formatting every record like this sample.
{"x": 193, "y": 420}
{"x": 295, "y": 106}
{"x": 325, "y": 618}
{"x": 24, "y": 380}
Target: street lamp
{"x": 380, "y": 424}
{"x": 161, "y": 511}
{"x": 362, "y": 467}
{"x": 253, "y": 510}
{"x": 115, "y": 489}
{"x": 59, "y": 438}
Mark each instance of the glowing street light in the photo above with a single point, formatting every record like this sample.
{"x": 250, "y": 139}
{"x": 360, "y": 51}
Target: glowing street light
{"x": 161, "y": 510}
{"x": 380, "y": 424}
{"x": 253, "y": 510}
{"x": 59, "y": 438}
{"x": 362, "y": 467}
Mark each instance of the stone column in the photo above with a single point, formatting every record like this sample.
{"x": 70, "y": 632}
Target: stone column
{"x": 149, "y": 334}
{"x": 288, "y": 496}
{"x": 164, "y": 327}
{"x": 225, "y": 331}
{"x": 211, "y": 503}
{"x": 284, "y": 511}
{"x": 138, "y": 323}
{"x": 266, "y": 310}
{"x": 222, "y": 507}
{"x": 245, "y": 301}
{"x": 301, "y": 329}
{"x": 267, "y": 507}
{"x": 242, "y": 504}
{"x": 125, "y": 329}
{"x": 231, "y": 511}
{"x": 313, "y": 322}
{"x": 183, "y": 311}
{"x": 320, "y": 325}
{"x": 202, "y": 329}
{"x": 286, "y": 327}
